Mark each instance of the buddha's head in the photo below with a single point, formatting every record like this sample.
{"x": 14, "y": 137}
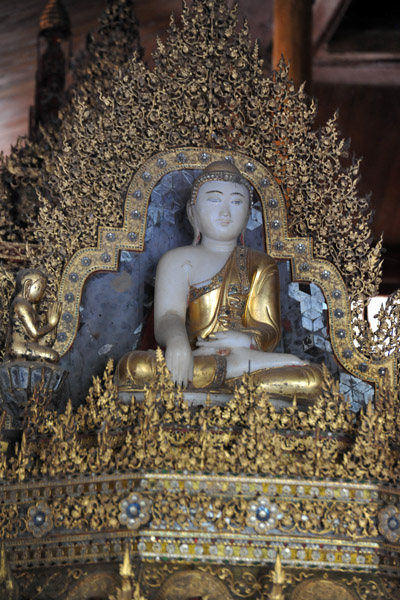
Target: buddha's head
{"x": 220, "y": 202}
{"x": 31, "y": 283}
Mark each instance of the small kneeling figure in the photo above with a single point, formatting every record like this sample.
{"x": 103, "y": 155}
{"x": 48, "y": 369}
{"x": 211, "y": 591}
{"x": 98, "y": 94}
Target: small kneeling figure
{"x": 217, "y": 304}
{"x": 24, "y": 330}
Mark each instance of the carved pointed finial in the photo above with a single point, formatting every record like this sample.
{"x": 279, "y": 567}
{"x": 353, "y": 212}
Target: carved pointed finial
{"x": 126, "y": 567}
{"x": 128, "y": 590}
{"x": 278, "y": 580}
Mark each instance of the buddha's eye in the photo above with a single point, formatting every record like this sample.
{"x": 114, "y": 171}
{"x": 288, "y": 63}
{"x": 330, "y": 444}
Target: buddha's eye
{"x": 237, "y": 202}
{"x": 215, "y": 200}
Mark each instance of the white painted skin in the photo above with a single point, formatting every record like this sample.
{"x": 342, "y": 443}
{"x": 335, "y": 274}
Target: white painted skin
{"x": 220, "y": 214}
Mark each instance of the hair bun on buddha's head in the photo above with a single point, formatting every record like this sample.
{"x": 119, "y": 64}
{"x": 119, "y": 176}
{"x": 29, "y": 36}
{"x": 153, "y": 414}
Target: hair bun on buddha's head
{"x": 219, "y": 170}
{"x": 221, "y": 166}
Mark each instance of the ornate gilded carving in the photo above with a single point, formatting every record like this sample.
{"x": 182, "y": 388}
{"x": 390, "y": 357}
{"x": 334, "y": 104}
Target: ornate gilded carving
{"x": 317, "y": 522}
{"x": 245, "y": 435}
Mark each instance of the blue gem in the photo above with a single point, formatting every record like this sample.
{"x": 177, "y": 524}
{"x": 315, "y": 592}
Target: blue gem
{"x": 341, "y": 333}
{"x": 363, "y": 367}
{"x": 325, "y": 275}
{"x": 74, "y": 277}
{"x": 204, "y": 157}
{"x": 382, "y": 371}
{"x": 347, "y": 353}
{"x": 39, "y": 518}
{"x": 304, "y": 267}
{"x": 264, "y": 182}
{"x": 69, "y": 297}
{"x": 161, "y": 163}
{"x": 262, "y": 513}
{"x": 110, "y": 236}
{"x": 181, "y": 157}
{"x": 278, "y": 246}
{"x": 135, "y": 214}
{"x": 105, "y": 257}
{"x": 250, "y": 167}
{"x": 275, "y": 224}
{"x": 300, "y": 248}
{"x": 133, "y": 510}
{"x": 67, "y": 317}
{"x": 146, "y": 176}
{"x": 337, "y": 294}
{"x": 393, "y": 523}
{"x": 86, "y": 261}
{"x": 137, "y": 194}
{"x": 132, "y": 236}
{"x": 339, "y": 314}
{"x": 61, "y": 336}
{"x": 273, "y": 203}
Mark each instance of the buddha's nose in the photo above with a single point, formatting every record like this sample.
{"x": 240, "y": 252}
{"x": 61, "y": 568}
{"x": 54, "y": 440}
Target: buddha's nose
{"x": 225, "y": 210}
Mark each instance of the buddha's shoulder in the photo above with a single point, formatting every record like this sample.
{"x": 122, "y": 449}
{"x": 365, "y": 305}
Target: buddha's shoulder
{"x": 178, "y": 256}
{"x": 260, "y": 259}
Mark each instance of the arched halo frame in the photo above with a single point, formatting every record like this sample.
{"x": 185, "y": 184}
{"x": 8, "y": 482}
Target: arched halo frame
{"x": 305, "y": 268}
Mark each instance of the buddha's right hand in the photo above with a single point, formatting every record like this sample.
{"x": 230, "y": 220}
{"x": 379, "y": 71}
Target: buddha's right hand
{"x": 179, "y": 359}
{"x": 54, "y": 314}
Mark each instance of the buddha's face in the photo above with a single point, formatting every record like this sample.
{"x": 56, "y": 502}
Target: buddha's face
{"x": 36, "y": 289}
{"x": 221, "y": 210}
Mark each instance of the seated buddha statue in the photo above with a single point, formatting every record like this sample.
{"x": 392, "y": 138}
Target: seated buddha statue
{"x": 216, "y": 308}
{"x": 25, "y": 334}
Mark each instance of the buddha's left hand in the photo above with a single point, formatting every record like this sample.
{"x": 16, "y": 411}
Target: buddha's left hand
{"x": 223, "y": 340}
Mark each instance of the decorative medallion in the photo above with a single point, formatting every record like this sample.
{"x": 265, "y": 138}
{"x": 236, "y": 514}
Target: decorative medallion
{"x": 135, "y": 511}
{"x": 389, "y": 523}
{"x": 40, "y": 519}
{"x": 262, "y": 515}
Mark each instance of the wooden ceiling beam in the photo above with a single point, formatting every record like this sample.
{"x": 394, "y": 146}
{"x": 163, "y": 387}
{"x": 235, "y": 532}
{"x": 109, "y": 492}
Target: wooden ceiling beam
{"x": 327, "y": 15}
{"x": 357, "y": 72}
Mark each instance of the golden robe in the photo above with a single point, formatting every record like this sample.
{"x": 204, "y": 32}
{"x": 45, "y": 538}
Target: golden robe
{"x": 243, "y": 296}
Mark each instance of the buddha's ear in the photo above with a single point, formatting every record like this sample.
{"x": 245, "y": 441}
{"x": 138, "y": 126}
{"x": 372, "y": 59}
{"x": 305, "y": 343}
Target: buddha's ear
{"x": 191, "y": 213}
{"x": 27, "y": 287}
